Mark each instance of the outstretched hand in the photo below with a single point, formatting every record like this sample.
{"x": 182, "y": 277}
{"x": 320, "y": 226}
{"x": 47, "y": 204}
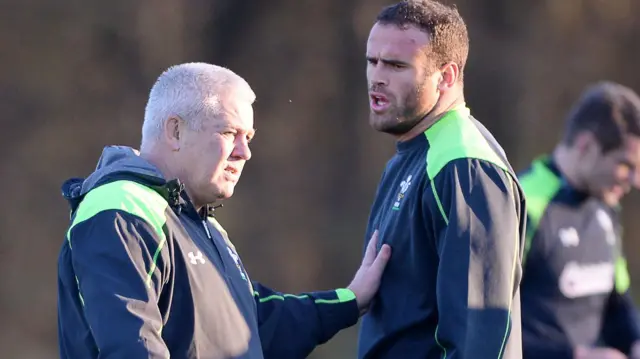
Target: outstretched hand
{"x": 367, "y": 279}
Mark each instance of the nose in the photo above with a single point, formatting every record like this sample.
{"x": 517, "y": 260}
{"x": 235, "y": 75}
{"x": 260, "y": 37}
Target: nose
{"x": 242, "y": 150}
{"x": 377, "y": 76}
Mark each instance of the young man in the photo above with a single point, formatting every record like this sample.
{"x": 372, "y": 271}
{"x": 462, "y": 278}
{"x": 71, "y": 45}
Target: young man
{"x": 147, "y": 272}
{"x": 575, "y": 300}
{"x": 448, "y": 202}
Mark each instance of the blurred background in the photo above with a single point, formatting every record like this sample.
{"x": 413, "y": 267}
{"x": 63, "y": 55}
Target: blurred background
{"x": 75, "y": 76}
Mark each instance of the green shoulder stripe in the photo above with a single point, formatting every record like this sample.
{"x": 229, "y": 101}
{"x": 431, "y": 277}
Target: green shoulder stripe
{"x": 452, "y": 137}
{"x": 130, "y": 197}
{"x": 540, "y": 185}
{"x": 126, "y": 196}
{"x": 455, "y": 136}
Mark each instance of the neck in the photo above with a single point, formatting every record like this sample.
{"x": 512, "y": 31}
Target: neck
{"x": 439, "y": 110}
{"x": 158, "y": 160}
{"x": 155, "y": 159}
{"x": 565, "y": 159}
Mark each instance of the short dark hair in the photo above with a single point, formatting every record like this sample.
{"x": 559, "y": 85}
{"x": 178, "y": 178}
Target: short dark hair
{"x": 449, "y": 40}
{"x": 609, "y": 111}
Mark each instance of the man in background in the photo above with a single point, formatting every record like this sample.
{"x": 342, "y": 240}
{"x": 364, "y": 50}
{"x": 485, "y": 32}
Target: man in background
{"x": 146, "y": 271}
{"x": 448, "y": 202}
{"x": 575, "y": 289}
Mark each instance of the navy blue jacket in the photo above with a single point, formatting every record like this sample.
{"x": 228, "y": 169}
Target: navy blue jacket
{"x": 575, "y": 287}
{"x": 452, "y": 210}
{"x": 142, "y": 274}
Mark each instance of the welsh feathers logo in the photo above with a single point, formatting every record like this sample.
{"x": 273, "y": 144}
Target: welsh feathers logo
{"x": 404, "y": 186}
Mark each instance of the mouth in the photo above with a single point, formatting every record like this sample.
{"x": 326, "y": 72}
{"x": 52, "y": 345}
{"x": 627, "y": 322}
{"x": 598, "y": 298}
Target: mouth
{"x": 378, "y": 102}
{"x": 232, "y": 171}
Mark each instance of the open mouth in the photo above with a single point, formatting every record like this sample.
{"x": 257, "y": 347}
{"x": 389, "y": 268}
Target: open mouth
{"x": 232, "y": 170}
{"x": 378, "y": 102}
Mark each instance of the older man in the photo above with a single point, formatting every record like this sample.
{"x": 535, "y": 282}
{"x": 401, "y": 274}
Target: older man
{"x": 147, "y": 272}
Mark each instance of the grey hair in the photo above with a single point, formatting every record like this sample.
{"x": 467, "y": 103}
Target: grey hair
{"x": 192, "y": 91}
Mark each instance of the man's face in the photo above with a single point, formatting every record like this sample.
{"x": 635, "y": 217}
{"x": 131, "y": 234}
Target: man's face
{"x": 213, "y": 158}
{"x": 403, "y": 83}
{"x": 611, "y": 175}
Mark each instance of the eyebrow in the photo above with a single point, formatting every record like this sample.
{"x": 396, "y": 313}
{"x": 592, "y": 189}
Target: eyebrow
{"x": 388, "y": 61}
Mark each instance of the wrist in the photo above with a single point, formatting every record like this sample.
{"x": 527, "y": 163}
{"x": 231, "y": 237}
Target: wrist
{"x": 350, "y": 294}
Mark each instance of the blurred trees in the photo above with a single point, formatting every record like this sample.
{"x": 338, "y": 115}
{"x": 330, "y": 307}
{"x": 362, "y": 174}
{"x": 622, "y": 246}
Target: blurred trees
{"x": 76, "y": 76}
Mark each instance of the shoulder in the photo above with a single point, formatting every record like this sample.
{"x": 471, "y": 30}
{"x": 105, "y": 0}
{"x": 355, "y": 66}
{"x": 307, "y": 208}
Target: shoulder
{"x": 123, "y": 197}
{"x": 458, "y": 136}
{"x": 540, "y": 186}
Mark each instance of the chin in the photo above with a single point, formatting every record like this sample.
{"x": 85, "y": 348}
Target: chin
{"x": 226, "y": 193}
{"x": 611, "y": 199}
{"x": 382, "y": 123}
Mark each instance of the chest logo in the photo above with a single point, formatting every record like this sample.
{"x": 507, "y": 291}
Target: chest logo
{"x": 196, "y": 258}
{"x": 569, "y": 237}
{"x": 236, "y": 259}
{"x": 404, "y": 186}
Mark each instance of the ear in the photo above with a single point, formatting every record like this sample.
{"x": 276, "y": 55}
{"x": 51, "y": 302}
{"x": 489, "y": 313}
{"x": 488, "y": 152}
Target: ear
{"x": 172, "y": 132}
{"x": 450, "y": 75}
{"x": 586, "y": 144}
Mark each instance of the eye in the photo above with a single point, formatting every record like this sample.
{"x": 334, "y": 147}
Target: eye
{"x": 229, "y": 134}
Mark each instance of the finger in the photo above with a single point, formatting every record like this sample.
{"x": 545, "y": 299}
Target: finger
{"x": 370, "y": 253}
{"x": 381, "y": 260}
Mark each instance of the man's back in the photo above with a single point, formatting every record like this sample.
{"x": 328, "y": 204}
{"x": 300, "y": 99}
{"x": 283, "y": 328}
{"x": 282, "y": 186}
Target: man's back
{"x": 449, "y": 206}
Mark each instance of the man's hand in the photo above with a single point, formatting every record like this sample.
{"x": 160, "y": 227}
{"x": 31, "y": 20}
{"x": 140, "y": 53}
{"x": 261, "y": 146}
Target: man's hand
{"x": 367, "y": 279}
{"x": 598, "y": 353}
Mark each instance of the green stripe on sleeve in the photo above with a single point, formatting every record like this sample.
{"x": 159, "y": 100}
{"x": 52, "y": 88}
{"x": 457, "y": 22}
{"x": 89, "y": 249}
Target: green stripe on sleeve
{"x": 343, "y": 295}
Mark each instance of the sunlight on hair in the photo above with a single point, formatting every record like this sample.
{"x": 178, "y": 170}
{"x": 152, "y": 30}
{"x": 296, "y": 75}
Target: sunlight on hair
{"x": 193, "y": 92}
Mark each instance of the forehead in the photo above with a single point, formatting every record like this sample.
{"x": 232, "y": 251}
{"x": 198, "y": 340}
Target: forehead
{"x": 393, "y": 41}
{"x": 236, "y": 113}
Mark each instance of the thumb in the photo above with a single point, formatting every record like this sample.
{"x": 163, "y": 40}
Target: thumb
{"x": 381, "y": 260}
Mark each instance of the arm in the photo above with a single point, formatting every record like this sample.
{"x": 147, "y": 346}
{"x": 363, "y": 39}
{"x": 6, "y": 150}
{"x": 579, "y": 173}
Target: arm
{"x": 620, "y": 328}
{"x": 479, "y": 245}
{"x": 535, "y": 346}
{"x": 119, "y": 265}
{"x": 291, "y": 326}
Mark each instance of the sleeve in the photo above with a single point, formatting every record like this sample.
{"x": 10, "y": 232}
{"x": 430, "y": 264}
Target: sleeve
{"x": 120, "y": 267}
{"x": 620, "y": 328}
{"x": 291, "y": 326}
{"x": 478, "y": 238}
{"x": 534, "y": 346}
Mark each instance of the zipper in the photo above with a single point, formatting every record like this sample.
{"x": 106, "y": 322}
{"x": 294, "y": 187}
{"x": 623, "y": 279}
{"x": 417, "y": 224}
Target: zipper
{"x": 215, "y": 246}
{"x": 206, "y": 229}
